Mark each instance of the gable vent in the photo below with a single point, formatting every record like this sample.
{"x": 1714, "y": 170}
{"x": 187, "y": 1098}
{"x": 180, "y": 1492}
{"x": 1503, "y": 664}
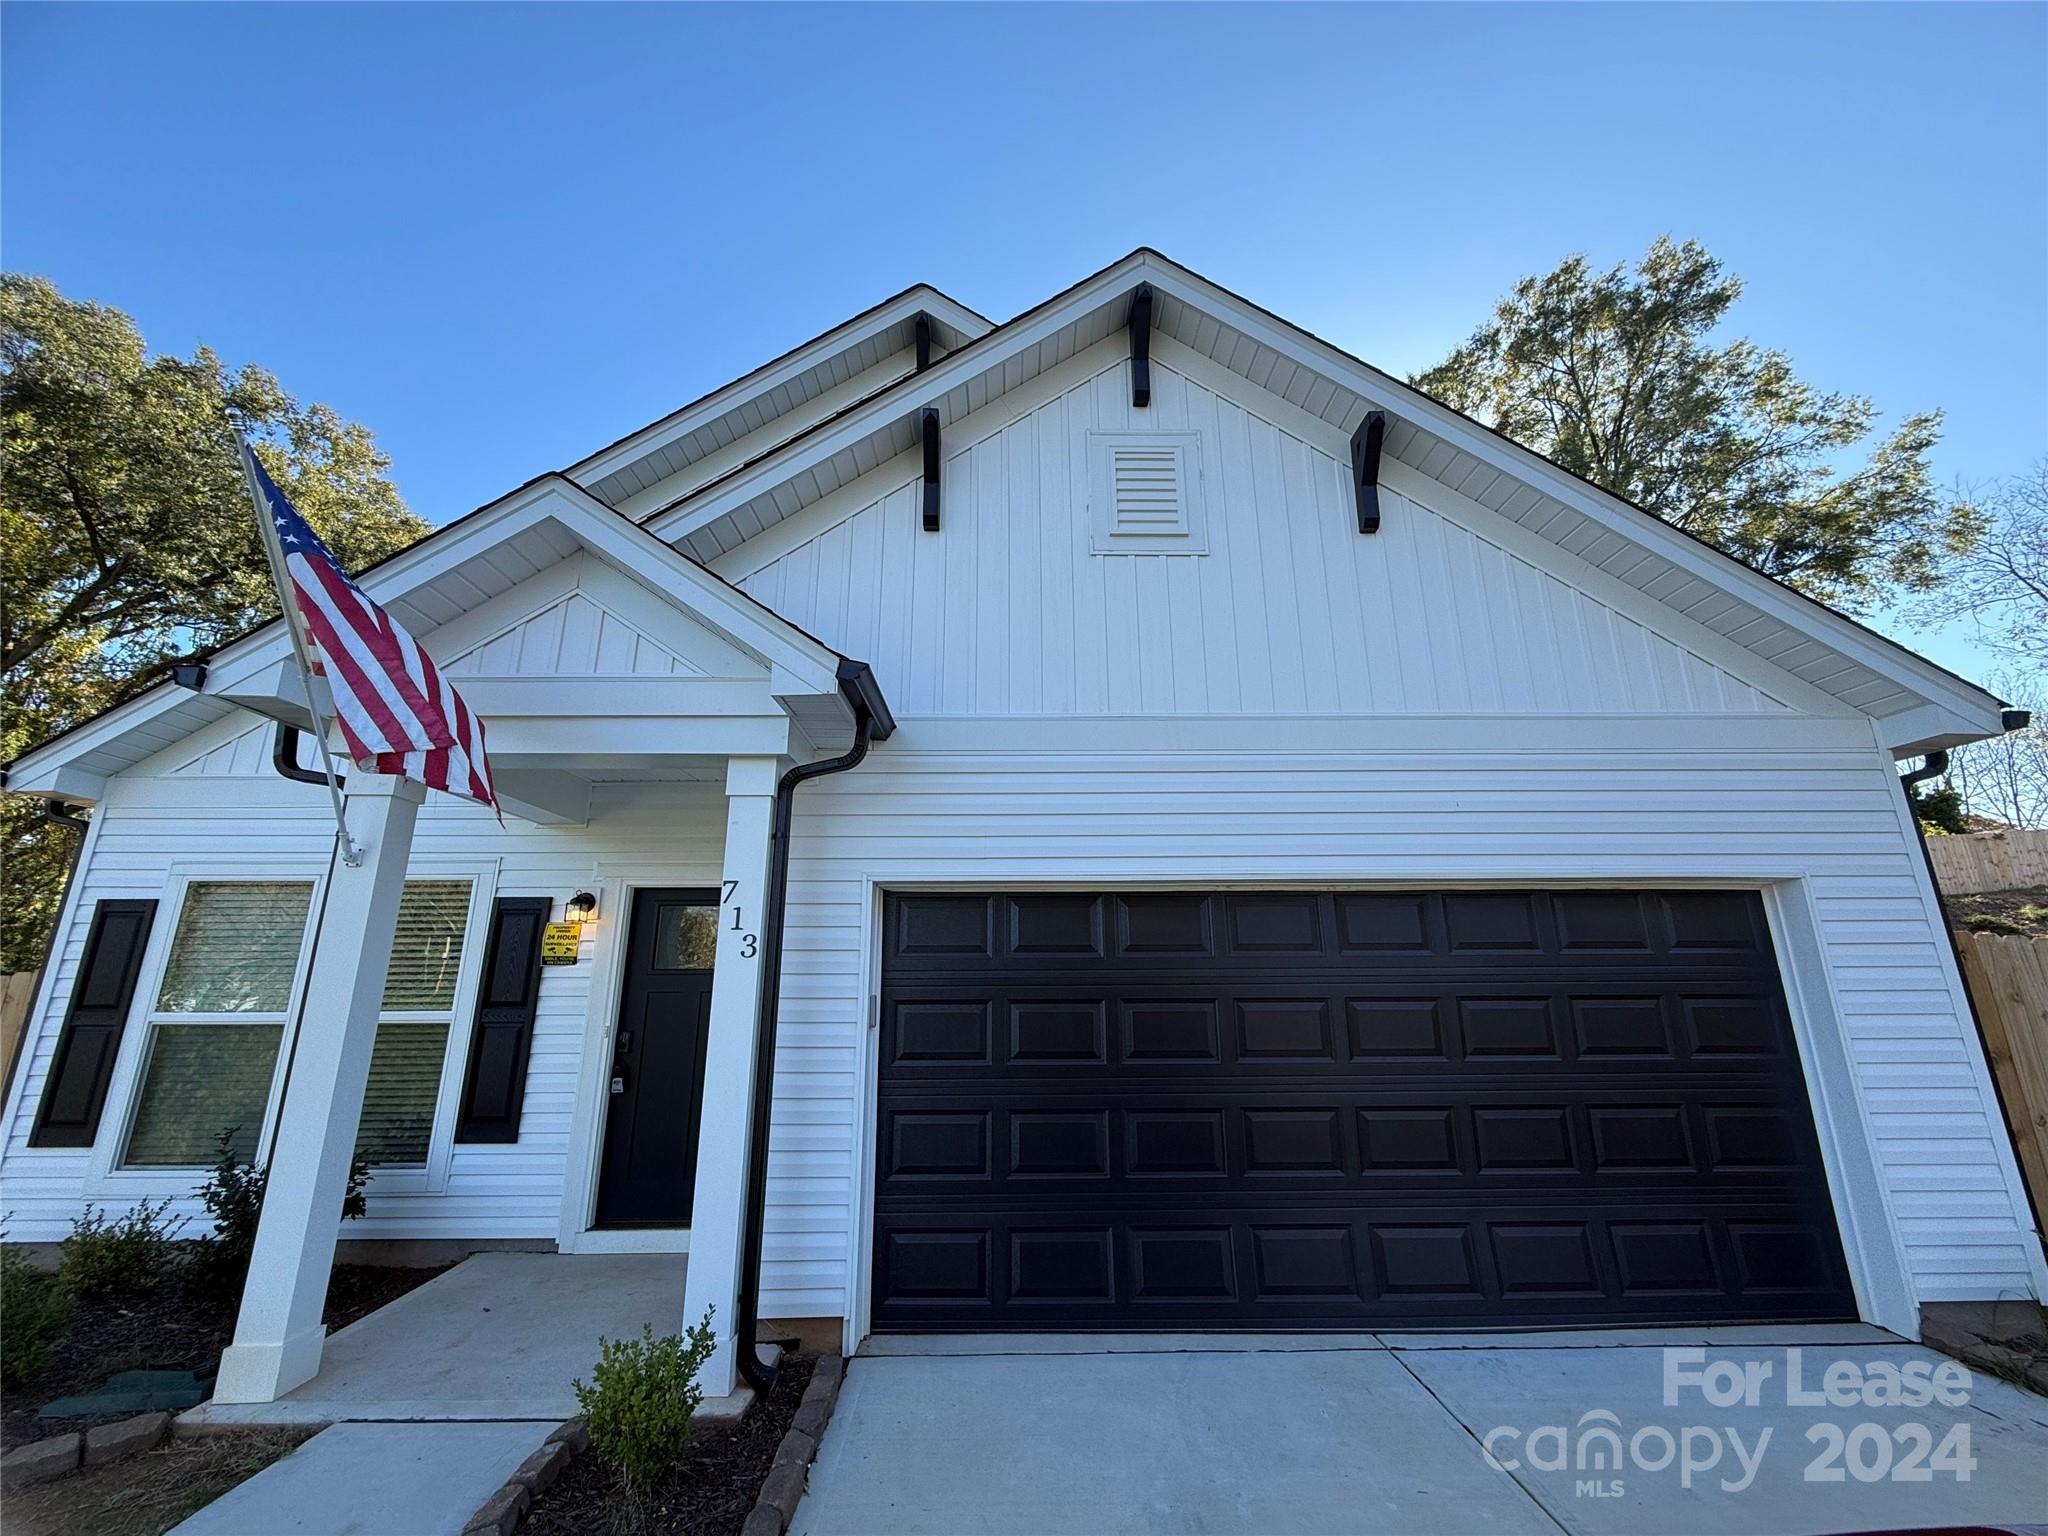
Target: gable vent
{"x": 1145, "y": 493}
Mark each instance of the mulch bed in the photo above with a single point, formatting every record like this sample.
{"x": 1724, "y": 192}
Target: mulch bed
{"x": 709, "y": 1491}
{"x": 170, "y": 1327}
{"x": 2026, "y": 910}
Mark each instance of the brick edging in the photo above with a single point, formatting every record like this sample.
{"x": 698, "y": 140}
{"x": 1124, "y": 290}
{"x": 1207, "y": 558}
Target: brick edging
{"x": 505, "y": 1511}
{"x": 41, "y": 1461}
{"x": 784, "y": 1485}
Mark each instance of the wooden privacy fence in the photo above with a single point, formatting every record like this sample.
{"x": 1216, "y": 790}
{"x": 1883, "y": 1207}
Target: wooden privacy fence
{"x": 2009, "y": 980}
{"x": 17, "y": 991}
{"x": 1989, "y": 861}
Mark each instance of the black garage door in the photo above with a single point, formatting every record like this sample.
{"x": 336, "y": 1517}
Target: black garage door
{"x": 1342, "y": 1110}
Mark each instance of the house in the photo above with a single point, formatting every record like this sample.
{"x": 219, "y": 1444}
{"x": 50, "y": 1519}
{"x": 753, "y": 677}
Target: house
{"x": 1292, "y": 859}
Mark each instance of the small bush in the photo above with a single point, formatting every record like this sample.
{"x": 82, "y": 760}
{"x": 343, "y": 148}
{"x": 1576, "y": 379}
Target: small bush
{"x": 1991, "y": 922}
{"x": 34, "y": 1310}
{"x": 641, "y": 1399}
{"x": 110, "y": 1260}
{"x": 233, "y": 1197}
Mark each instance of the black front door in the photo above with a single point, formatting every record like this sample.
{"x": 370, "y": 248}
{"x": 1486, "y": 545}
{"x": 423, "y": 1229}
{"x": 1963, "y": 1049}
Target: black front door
{"x": 656, "y": 1092}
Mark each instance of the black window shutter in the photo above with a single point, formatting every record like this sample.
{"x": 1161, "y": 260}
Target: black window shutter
{"x": 495, "y": 1083}
{"x": 76, "y": 1090}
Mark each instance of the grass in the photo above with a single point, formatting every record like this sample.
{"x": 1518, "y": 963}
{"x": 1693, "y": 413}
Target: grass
{"x": 148, "y": 1494}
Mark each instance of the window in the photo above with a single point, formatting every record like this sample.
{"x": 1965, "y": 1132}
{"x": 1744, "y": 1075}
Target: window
{"x": 220, "y": 1014}
{"x": 218, "y": 1018}
{"x": 685, "y": 937}
{"x": 412, "y": 1029}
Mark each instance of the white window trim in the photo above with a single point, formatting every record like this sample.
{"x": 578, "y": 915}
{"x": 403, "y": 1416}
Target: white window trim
{"x": 432, "y": 1178}
{"x": 106, "y": 1177}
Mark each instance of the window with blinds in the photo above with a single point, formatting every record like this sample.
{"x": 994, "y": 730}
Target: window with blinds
{"x": 220, "y": 1012}
{"x": 218, "y": 1020}
{"x": 412, "y": 1033}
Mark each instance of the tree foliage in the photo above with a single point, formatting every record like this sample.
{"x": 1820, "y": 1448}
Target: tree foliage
{"x": 129, "y": 542}
{"x": 1615, "y": 376}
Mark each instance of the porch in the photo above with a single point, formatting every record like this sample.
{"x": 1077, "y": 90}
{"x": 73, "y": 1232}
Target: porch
{"x": 499, "y": 1337}
{"x": 641, "y": 713}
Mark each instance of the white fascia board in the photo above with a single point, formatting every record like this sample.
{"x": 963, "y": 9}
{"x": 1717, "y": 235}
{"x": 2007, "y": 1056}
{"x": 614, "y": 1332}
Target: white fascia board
{"x": 793, "y": 365}
{"x": 750, "y": 625}
{"x": 1811, "y": 618}
{"x": 914, "y": 393}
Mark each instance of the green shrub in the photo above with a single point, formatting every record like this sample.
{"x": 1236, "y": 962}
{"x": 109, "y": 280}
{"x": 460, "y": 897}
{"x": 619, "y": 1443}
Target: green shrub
{"x": 34, "y": 1310}
{"x": 641, "y": 1399}
{"x": 1941, "y": 810}
{"x": 233, "y": 1197}
{"x": 110, "y": 1260}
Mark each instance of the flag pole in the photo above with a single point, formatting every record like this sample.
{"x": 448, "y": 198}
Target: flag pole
{"x": 281, "y": 579}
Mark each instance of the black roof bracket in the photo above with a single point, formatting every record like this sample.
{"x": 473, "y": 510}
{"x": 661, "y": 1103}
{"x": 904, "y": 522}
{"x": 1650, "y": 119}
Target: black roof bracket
{"x": 931, "y": 470}
{"x": 924, "y": 342}
{"x": 1141, "y": 346}
{"x": 1365, "y": 469}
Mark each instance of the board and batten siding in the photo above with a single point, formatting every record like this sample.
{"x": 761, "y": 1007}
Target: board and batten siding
{"x": 1006, "y": 611}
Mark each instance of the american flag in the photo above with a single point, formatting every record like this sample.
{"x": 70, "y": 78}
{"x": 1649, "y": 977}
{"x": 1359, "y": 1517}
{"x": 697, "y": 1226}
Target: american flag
{"x": 397, "y": 713}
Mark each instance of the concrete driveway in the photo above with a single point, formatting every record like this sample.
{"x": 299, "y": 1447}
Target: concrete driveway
{"x": 1674, "y": 1431}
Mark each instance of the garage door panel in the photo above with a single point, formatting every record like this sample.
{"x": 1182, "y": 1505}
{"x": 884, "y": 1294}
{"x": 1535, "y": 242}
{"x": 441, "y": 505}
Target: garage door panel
{"x": 1338, "y": 1109}
{"x": 1615, "y": 1144}
{"x": 1169, "y": 930}
{"x": 1408, "y": 1265}
{"x": 1218, "y": 1021}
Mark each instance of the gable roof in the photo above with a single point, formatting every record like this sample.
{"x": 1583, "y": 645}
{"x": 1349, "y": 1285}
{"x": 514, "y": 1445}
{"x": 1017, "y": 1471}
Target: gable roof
{"x": 431, "y": 583}
{"x": 1921, "y": 705}
{"x": 833, "y": 361}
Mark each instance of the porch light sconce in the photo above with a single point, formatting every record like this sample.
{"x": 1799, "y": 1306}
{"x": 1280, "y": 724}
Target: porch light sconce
{"x": 583, "y": 907}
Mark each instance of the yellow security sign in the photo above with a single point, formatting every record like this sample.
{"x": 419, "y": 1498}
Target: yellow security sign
{"x": 559, "y": 943}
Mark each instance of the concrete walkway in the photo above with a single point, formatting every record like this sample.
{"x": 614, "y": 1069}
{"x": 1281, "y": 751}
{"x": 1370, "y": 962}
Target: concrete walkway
{"x": 499, "y": 1336}
{"x": 373, "y": 1480}
{"x": 1374, "y": 1434}
{"x": 434, "y": 1399}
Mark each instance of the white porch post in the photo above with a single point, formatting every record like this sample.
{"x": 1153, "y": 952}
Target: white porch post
{"x": 719, "y": 1205}
{"x": 278, "y": 1333}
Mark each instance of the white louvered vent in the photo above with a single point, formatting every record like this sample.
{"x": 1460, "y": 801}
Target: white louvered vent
{"x": 1146, "y": 493}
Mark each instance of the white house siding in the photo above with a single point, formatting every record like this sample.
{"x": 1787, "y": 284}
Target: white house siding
{"x": 153, "y": 824}
{"x": 1444, "y": 700}
{"x": 1450, "y": 699}
{"x": 1527, "y": 801}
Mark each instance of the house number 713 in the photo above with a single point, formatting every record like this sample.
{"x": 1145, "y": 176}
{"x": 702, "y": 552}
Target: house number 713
{"x": 749, "y": 943}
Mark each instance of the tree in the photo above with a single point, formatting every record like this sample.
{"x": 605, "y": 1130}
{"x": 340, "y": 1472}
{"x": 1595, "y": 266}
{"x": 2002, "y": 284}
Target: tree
{"x": 128, "y": 533}
{"x": 1613, "y": 376}
{"x": 2005, "y": 779}
{"x": 2001, "y": 584}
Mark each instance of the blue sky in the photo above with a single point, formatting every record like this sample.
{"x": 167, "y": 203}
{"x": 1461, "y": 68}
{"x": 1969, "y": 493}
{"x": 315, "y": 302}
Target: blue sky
{"x": 504, "y": 235}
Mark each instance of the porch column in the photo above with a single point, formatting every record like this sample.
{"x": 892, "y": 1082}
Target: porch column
{"x": 278, "y": 1333}
{"x": 718, "y": 1209}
